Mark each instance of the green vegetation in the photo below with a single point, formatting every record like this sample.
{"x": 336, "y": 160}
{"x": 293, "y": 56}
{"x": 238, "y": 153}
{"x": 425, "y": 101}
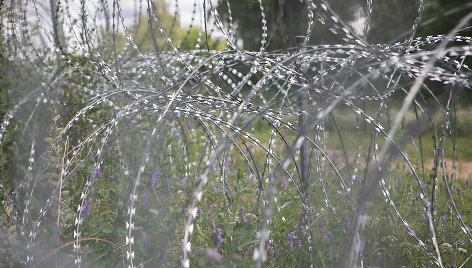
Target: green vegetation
{"x": 147, "y": 36}
{"x": 230, "y": 214}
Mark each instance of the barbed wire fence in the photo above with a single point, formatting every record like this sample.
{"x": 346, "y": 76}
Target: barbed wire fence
{"x": 79, "y": 101}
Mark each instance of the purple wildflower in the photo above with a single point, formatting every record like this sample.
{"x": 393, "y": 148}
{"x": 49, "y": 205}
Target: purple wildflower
{"x": 89, "y": 208}
{"x": 146, "y": 198}
{"x": 219, "y": 238}
{"x": 443, "y": 217}
{"x": 200, "y": 209}
{"x": 299, "y": 243}
{"x": 175, "y": 132}
{"x": 58, "y": 229}
{"x": 468, "y": 184}
{"x": 242, "y": 215}
{"x": 250, "y": 250}
{"x": 358, "y": 181}
{"x": 330, "y": 250}
{"x": 217, "y": 187}
{"x": 379, "y": 256}
{"x": 322, "y": 221}
{"x": 423, "y": 217}
{"x": 213, "y": 225}
{"x": 284, "y": 183}
{"x": 84, "y": 206}
{"x": 399, "y": 179}
{"x": 184, "y": 180}
{"x": 346, "y": 223}
{"x": 413, "y": 143}
{"x": 303, "y": 231}
{"x": 415, "y": 198}
{"x": 145, "y": 241}
{"x": 290, "y": 237}
{"x": 189, "y": 125}
{"x": 213, "y": 254}
{"x": 328, "y": 235}
{"x": 99, "y": 173}
{"x": 321, "y": 224}
{"x": 155, "y": 176}
{"x": 271, "y": 177}
{"x": 335, "y": 157}
{"x": 10, "y": 73}
{"x": 227, "y": 164}
{"x": 458, "y": 191}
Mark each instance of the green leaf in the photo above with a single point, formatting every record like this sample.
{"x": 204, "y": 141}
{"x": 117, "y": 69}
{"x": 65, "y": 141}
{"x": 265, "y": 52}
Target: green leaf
{"x": 69, "y": 217}
{"x": 11, "y": 229}
{"x": 247, "y": 243}
{"x": 107, "y": 230}
{"x": 52, "y": 175}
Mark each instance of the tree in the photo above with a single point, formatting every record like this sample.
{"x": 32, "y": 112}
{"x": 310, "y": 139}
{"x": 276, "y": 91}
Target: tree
{"x": 444, "y": 25}
{"x": 392, "y": 18}
{"x": 285, "y": 19}
{"x": 146, "y": 31}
